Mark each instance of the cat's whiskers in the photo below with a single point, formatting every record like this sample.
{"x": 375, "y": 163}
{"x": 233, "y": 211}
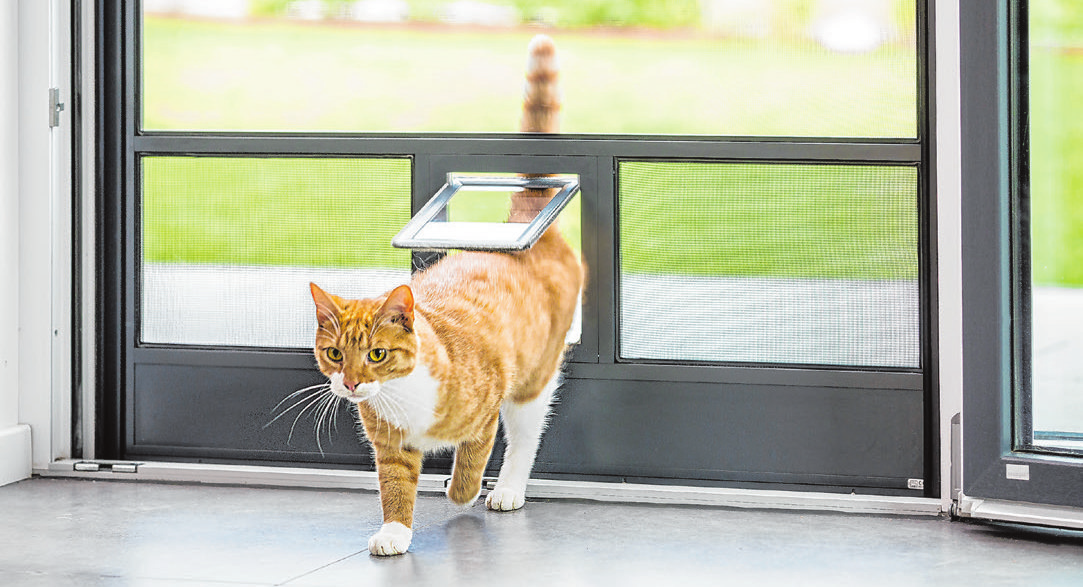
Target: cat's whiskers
{"x": 391, "y": 387}
{"x": 311, "y": 403}
{"x": 387, "y": 409}
{"x": 393, "y": 404}
{"x": 381, "y": 403}
{"x": 324, "y": 386}
{"x": 316, "y": 390}
{"x": 326, "y": 412}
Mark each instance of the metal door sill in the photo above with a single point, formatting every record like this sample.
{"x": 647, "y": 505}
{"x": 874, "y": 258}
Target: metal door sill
{"x": 1019, "y": 513}
{"x": 263, "y": 476}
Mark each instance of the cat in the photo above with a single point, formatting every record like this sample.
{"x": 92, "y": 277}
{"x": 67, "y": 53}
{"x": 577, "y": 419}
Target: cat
{"x": 476, "y": 338}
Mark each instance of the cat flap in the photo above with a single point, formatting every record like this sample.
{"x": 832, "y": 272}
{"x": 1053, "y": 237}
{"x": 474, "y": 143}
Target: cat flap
{"x": 432, "y": 228}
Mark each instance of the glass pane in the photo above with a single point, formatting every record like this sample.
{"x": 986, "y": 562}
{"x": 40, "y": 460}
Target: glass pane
{"x": 765, "y": 263}
{"x": 229, "y": 245}
{"x": 1056, "y": 197}
{"x": 834, "y": 68}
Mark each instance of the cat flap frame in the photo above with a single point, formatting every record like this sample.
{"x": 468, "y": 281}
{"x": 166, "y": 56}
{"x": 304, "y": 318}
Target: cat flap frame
{"x": 429, "y": 230}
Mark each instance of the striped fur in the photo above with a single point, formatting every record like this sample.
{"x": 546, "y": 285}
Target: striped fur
{"x": 432, "y": 364}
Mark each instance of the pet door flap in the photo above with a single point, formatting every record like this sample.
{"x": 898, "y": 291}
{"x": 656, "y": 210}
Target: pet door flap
{"x": 437, "y": 226}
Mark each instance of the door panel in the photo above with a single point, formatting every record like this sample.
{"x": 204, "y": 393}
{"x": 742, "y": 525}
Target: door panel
{"x": 209, "y": 239}
{"x": 795, "y": 435}
{"x": 1013, "y": 391}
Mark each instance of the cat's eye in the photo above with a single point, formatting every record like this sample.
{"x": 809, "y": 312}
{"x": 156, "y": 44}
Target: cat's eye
{"x": 334, "y": 354}
{"x": 377, "y": 355}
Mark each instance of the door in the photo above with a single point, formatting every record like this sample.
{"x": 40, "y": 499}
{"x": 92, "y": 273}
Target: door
{"x": 793, "y": 232}
{"x": 1022, "y": 418}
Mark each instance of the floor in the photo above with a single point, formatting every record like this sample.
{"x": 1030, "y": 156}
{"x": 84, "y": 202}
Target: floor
{"x": 73, "y": 532}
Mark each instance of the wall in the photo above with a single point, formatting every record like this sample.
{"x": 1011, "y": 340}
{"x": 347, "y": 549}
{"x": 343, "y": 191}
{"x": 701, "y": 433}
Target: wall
{"x": 14, "y": 439}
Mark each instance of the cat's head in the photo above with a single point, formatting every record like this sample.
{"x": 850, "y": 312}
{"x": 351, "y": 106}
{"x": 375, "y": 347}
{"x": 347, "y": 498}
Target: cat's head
{"x": 361, "y": 344}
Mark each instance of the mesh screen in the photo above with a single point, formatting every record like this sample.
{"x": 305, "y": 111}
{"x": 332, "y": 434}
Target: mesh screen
{"x": 229, "y": 245}
{"x": 766, "y": 263}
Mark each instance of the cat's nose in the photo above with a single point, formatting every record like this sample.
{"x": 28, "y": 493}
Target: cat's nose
{"x": 350, "y": 385}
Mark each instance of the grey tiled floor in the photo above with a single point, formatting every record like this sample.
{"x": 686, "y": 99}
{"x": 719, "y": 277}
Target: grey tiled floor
{"x": 70, "y": 532}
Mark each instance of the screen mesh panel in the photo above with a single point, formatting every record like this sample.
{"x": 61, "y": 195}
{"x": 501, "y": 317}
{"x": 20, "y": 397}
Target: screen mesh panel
{"x": 769, "y": 263}
{"x": 229, "y": 245}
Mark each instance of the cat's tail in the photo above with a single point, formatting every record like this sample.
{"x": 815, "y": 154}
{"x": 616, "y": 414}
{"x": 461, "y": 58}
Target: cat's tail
{"x": 541, "y": 96}
{"x": 541, "y": 114}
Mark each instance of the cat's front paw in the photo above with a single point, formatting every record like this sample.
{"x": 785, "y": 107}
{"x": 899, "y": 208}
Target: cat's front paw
{"x": 463, "y": 497}
{"x": 503, "y": 499}
{"x": 393, "y": 538}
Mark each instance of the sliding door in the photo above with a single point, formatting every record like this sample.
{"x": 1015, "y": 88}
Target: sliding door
{"x": 755, "y": 213}
{"x": 1023, "y": 198}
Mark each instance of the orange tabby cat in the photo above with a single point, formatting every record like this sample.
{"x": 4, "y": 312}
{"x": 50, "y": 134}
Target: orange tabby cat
{"x": 434, "y": 364}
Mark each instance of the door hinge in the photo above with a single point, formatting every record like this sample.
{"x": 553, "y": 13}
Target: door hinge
{"x": 55, "y": 107}
{"x": 106, "y": 467}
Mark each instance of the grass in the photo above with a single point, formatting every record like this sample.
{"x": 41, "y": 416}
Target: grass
{"x": 303, "y": 212}
{"x": 852, "y": 222}
{"x": 1056, "y": 167}
{"x": 289, "y": 211}
{"x": 275, "y": 75}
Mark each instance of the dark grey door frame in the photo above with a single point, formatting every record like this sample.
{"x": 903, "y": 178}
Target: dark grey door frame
{"x": 727, "y": 424}
{"x": 992, "y": 177}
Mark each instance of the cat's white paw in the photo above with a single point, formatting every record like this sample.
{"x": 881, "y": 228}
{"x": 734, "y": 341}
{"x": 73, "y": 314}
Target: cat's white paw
{"x": 503, "y": 499}
{"x": 393, "y": 538}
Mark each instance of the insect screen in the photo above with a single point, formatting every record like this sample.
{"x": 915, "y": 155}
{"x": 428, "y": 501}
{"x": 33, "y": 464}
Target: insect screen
{"x": 229, "y": 245}
{"x": 769, "y": 263}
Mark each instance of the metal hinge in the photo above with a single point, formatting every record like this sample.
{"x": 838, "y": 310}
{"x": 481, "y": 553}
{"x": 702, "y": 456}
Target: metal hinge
{"x": 55, "y": 107}
{"x": 106, "y": 467}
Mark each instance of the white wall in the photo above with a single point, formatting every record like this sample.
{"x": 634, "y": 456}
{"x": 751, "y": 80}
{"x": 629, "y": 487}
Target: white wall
{"x": 35, "y": 203}
{"x": 14, "y": 439}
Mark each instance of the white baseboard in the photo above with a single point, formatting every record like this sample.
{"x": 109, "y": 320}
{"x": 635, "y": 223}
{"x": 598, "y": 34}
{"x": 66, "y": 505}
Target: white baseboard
{"x": 15, "y": 455}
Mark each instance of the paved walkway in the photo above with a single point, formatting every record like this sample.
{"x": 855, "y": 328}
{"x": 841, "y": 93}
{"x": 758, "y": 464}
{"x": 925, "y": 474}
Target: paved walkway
{"x": 1058, "y": 359}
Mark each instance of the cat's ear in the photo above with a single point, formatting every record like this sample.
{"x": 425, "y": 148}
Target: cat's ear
{"x": 326, "y": 305}
{"x": 399, "y": 307}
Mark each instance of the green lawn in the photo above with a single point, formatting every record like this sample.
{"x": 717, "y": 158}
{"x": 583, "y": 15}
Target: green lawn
{"x": 1056, "y": 166}
{"x": 277, "y": 75}
{"x": 852, "y": 222}
{"x": 302, "y": 212}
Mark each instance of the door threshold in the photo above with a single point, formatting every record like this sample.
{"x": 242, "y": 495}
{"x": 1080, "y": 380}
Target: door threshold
{"x": 1015, "y": 512}
{"x": 266, "y": 476}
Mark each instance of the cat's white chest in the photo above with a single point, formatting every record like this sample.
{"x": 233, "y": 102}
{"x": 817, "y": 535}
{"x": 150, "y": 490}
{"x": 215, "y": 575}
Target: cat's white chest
{"x": 409, "y": 403}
